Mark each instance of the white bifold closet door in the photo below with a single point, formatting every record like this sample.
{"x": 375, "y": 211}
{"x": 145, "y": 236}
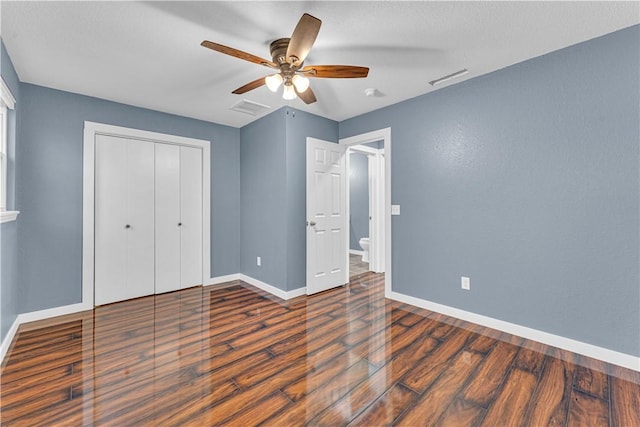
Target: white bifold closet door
{"x": 190, "y": 217}
{"x": 124, "y": 219}
{"x": 178, "y": 207}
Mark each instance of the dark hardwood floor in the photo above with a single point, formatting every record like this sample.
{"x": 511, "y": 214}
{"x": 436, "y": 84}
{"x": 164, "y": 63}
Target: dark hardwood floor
{"x": 237, "y": 356}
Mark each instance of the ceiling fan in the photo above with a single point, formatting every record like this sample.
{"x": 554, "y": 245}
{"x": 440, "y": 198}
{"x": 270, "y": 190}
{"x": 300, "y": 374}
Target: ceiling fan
{"x": 288, "y": 56}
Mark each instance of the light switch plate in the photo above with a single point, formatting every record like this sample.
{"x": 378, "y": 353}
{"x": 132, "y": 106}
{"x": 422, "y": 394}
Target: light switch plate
{"x": 395, "y": 209}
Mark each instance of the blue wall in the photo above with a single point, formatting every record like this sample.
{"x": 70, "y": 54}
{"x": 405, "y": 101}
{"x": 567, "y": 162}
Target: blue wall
{"x": 299, "y": 126}
{"x": 263, "y": 199}
{"x": 8, "y": 276}
{"x": 273, "y": 194}
{"x": 525, "y": 180}
{"x": 358, "y": 199}
{"x": 8, "y": 231}
{"x": 49, "y": 188}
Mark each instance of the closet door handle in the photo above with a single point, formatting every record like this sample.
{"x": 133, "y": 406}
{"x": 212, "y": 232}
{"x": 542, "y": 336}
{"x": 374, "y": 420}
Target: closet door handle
{"x": 179, "y": 224}
{"x": 127, "y": 226}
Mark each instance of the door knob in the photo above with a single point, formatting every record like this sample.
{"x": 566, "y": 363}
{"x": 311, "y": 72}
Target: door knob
{"x": 179, "y": 224}
{"x": 312, "y": 223}
{"x": 127, "y": 226}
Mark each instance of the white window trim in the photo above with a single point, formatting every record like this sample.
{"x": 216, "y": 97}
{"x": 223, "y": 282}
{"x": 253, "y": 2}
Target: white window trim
{"x": 7, "y": 96}
{"x": 8, "y": 102}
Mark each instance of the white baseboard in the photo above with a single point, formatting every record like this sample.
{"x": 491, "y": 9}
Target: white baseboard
{"x": 74, "y": 308}
{"x": 355, "y": 252}
{"x": 8, "y": 339}
{"x": 590, "y": 350}
{"x": 52, "y": 312}
{"x": 296, "y": 292}
{"x": 38, "y": 315}
{"x": 272, "y": 289}
{"x": 223, "y": 279}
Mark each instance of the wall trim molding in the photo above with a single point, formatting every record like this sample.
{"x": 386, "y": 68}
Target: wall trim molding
{"x": 223, "y": 279}
{"x": 7, "y": 96}
{"x": 610, "y": 356}
{"x": 8, "y": 216}
{"x": 53, "y": 312}
{"x": 86, "y": 305}
{"x": 285, "y": 295}
{"x": 373, "y": 136}
{"x": 8, "y": 339}
{"x": 39, "y": 315}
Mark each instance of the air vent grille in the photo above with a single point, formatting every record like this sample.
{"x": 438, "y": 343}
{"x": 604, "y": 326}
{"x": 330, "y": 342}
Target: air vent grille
{"x": 249, "y": 107}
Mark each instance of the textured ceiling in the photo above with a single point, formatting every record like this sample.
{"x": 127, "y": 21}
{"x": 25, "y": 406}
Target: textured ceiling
{"x": 148, "y": 54}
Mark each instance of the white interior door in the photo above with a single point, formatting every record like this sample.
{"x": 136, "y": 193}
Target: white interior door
{"x": 376, "y": 212}
{"x": 326, "y": 219}
{"x": 190, "y": 217}
{"x": 167, "y": 192}
{"x": 124, "y": 219}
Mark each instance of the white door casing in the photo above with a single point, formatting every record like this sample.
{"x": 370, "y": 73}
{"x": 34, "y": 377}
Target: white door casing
{"x": 93, "y": 131}
{"x": 124, "y": 219}
{"x": 385, "y": 136}
{"x": 327, "y": 256}
{"x": 376, "y": 190}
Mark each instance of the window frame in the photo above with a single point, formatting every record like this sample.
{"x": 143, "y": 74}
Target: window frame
{"x": 7, "y": 102}
{"x": 3, "y": 156}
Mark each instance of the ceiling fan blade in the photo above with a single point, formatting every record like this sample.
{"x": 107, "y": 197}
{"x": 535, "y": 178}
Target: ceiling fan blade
{"x": 238, "y": 54}
{"x": 307, "y": 96}
{"x": 302, "y": 38}
{"x": 249, "y": 86}
{"x": 335, "y": 71}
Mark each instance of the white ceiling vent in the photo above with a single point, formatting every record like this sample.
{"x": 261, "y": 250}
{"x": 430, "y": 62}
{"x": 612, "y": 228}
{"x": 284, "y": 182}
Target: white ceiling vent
{"x": 249, "y": 107}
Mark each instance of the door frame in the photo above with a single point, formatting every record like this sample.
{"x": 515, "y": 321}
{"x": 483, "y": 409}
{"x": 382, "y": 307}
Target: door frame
{"x": 385, "y": 136}
{"x": 91, "y": 129}
{"x": 375, "y": 169}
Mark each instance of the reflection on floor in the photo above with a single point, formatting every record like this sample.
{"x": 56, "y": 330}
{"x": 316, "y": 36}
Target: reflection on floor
{"x": 356, "y": 266}
{"x": 235, "y": 355}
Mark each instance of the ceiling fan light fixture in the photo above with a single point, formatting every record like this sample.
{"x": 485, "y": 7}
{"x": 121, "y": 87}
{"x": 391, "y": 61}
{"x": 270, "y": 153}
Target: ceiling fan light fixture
{"x": 289, "y": 93}
{"x": 288, "y": 56}
{"x": 300, "y": 82}
{"x": 273, "y": 82}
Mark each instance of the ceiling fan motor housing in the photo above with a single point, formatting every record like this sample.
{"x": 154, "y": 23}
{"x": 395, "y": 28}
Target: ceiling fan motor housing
{"x": 278, "y": 50}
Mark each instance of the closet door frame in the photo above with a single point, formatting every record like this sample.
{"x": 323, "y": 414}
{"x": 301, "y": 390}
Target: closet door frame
{"x": 91, "y": 129}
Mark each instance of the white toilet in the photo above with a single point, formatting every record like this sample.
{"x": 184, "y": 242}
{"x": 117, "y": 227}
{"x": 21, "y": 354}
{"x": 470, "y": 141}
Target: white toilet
{"x": 364, "y": 244}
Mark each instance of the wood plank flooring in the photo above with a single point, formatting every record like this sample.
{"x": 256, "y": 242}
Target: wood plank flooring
{"x": 234, "y": 355}
{"x": 356, "y": 266}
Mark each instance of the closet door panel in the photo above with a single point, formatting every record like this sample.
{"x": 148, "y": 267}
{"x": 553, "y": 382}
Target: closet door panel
{"x": 167, "y": 217}
{"x": 141, "y": 213}
{"x": 191, "y": 216}
{"x": 110, "y": 219}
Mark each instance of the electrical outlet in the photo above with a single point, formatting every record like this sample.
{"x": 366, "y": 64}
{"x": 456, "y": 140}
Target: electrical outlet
{"x": 258, "y": 261}
{"x": 465, "y": 283}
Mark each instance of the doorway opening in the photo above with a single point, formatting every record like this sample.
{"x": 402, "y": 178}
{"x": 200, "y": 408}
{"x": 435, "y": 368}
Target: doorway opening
{"x": 380, "y": 250}
{"x": 365, "y": 200}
